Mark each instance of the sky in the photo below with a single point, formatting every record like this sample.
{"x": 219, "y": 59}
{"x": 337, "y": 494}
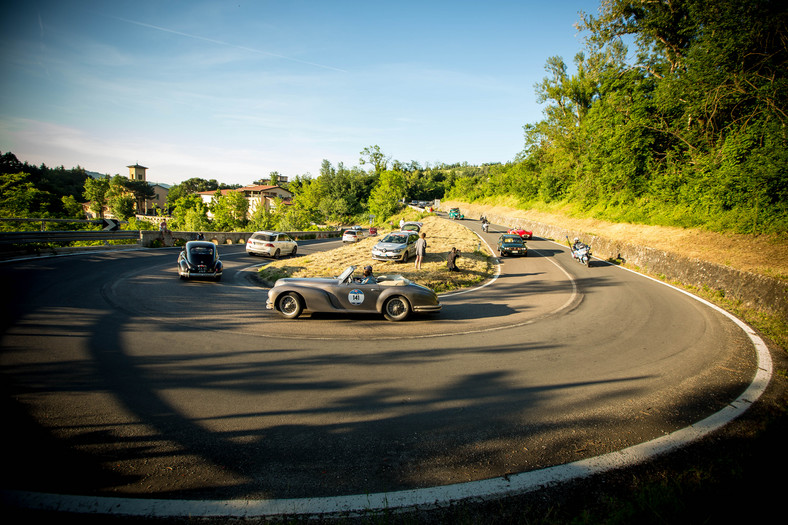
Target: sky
{"x": 234, "y": 90}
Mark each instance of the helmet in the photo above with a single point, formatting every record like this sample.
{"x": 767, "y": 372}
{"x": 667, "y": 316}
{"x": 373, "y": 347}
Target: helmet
{"x": 577, "y": 240}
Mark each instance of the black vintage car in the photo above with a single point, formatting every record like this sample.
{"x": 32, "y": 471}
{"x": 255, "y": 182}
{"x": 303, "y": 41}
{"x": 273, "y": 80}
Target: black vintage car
{"x": 200, "y": 260}
{"x": 511, "y": 244}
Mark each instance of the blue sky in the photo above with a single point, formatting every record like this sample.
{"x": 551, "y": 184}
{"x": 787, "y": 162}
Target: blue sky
{"x": 233, "y": 90}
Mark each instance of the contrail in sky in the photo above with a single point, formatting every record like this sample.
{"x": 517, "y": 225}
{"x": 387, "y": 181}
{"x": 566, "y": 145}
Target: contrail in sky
{"x": 222, "y": 43}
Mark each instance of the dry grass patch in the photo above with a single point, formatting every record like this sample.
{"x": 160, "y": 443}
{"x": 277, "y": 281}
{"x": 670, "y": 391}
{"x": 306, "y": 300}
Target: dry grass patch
{"x": 475, "y": 261}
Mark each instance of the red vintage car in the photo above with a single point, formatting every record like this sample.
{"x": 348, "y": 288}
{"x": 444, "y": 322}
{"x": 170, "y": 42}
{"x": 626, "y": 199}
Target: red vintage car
{"x": 525, "y": 234}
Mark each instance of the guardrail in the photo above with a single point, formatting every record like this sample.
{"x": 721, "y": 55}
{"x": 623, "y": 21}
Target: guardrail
{"x": 50, "y": 237}
{"x": 35, "y": 240}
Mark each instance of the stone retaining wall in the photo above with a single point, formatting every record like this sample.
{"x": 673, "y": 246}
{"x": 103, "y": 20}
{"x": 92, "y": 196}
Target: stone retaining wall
{"x": 754, "y": 290}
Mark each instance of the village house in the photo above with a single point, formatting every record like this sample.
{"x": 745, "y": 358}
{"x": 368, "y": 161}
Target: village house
{"x": 257, "y": 195}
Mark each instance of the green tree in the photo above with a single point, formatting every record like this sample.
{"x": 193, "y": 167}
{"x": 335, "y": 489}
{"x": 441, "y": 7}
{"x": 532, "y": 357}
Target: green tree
{"x": 72, "y": 207}
{"x": 20, "y": 198}
{"x": 96, "y": 192}
{"x": 190, "y": 213}
{"x": 229, "y": 210}
{"x": 385, "y": 198}
{"x": 373, "y": 156}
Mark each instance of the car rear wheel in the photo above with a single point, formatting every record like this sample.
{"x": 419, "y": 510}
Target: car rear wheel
{"x": 290, "y": 305}
{"x": 276, "y": 254}
{"x": 396, "y": 309}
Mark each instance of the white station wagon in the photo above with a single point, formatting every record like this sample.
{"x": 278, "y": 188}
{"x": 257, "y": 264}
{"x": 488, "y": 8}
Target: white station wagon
{"x": 272, "y": 244}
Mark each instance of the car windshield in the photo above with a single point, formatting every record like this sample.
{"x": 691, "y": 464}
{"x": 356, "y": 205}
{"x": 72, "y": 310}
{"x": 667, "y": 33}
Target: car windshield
{"x": 512, "y": 240}
{"x": 346, "y": 274}
{"x": 263, "y": 237}
{"x": 201, "y": 254}
{"x": 396, "y": 239}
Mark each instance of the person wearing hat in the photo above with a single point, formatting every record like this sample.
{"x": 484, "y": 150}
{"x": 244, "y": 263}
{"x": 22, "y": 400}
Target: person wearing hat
{"x": 368, "y": 277}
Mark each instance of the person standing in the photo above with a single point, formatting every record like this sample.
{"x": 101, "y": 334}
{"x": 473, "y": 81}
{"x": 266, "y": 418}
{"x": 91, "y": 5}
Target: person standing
{"x": 421, "y": 249}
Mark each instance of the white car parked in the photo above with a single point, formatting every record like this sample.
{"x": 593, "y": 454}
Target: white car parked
{"x": 272, "y": 244}
{"x": 354, "y": 234}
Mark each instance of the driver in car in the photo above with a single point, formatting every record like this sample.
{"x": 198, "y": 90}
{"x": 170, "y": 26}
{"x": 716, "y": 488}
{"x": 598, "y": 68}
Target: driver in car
{"x": 368, "y": 278}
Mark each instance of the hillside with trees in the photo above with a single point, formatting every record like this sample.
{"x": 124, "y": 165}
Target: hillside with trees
{"x": 687, "y": 128}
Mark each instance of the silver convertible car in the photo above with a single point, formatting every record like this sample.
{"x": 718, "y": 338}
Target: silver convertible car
{"x": 392, "y": 295}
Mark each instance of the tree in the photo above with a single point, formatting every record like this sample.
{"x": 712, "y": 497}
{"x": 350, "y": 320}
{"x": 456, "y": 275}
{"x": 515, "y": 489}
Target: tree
{"x": 20, "y": 198}
{"x": 190, "y": 213}
{"x": 96, "y": 192}
{"x": 372, "y": 155}
{"x": 229, "y": 210}
{"x": 385, "y": 197}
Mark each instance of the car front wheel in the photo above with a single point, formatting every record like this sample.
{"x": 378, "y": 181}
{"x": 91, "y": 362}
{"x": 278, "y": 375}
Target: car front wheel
{"x": 396, "y": 309}
{"x": 290, "y": 305}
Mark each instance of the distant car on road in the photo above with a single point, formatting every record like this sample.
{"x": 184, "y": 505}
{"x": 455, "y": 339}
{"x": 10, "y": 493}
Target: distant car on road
{"x": 354, "y": 234}
{"x": 511, "y": 244}
{"x": 525, "y": 234}
{"x": 200, "y": 260}
{"x": 270, "y": 243}
{"x": 396, "y": 246}
{"x": 455, "y": 213}
{"x": 393, "y": 296}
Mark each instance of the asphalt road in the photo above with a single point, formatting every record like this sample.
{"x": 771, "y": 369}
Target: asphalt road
{"x": 119, "y": 379}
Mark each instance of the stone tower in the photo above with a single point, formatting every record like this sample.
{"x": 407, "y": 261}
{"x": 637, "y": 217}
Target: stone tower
{"x": 137, "y": 172}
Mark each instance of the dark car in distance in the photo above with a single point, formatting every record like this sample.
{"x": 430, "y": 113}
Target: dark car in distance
{"x": 200, "y": 260}
{"x": 511, "y": 244}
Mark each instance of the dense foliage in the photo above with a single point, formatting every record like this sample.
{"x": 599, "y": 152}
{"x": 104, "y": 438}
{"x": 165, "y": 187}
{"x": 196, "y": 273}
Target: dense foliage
{"x": 39, "y": 191}
{"x": 690, "y": 131}
{"x": 338, "y": 195}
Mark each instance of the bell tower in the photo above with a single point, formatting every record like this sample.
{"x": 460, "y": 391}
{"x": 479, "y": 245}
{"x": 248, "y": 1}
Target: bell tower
{"x": 137, "y": 172}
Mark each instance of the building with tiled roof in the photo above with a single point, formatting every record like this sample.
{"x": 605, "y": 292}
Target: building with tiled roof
{"x": 256, "y": 194}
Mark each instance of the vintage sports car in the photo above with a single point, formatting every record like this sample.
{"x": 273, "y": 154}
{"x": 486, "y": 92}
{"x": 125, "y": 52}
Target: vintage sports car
{"x": 455, "y": 213}
{"x": 200, "y": 260}
{"x": 525, "y": 234}
{"x": 272, "y": 244}
{"x": 392, "y": 295}
{"x": 511, "y": 244}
